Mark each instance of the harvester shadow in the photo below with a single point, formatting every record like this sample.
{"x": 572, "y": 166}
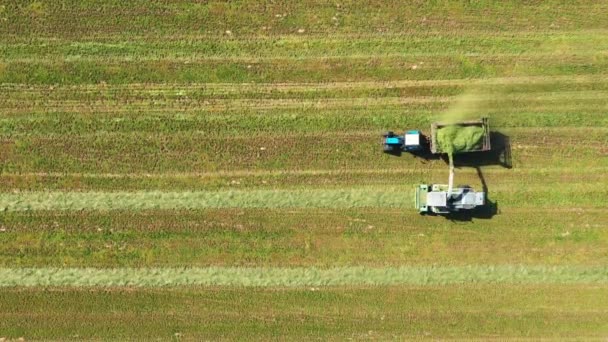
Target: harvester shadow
{"x": 500, "y": 154}
{"x": 484, "y": 212}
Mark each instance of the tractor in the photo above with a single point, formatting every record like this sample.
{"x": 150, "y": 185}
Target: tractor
{"x": 410, "y": 141}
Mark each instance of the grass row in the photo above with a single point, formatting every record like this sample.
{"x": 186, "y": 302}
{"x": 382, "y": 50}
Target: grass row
{"x": 496, "y": 178}
{"x": 546, "y": 195}
{"x": 300, "y": 277}
{"x": 299, "y": 47}
{"x": 141, "y": 152}
{"x": 306, "y": 120}
{"x": 501, "y": 88}
{"x": 192, "y": 200}
{"x": 293, "y": 237}
{"x": 183, "y": 102}
{"x": 299, "y": 70}
{"x": 506, "y": 84}
{"x": 399, "y": 312}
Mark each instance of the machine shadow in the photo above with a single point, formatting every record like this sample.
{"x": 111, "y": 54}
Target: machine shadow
{"x": 500, "y": 154}
{"x": 425, "y": 152}
{"x": 485, "y": 212}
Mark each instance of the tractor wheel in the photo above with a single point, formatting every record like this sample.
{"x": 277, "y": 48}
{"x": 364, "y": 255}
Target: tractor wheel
{"x": 388, "y": 148}
{"x": 388, "y": 134}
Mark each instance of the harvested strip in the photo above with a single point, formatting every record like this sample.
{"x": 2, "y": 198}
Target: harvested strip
{"x": 293, "y": 277}
{"x": 84, "y": 20}
{"x": 176, "y": 88}
{"x": 306, "y": 47}
{"x": 297, "y": 71}
{"x": 307, "y": 237}
{"x": 453, "y": 312}
{"x": 598, "y": 171}
{"x": 129, "y": 103}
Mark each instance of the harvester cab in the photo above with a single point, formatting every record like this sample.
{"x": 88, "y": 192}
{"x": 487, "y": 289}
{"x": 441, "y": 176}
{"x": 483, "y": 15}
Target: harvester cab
{"x": 410, "y": 141}
{"x": 437, "y": 199}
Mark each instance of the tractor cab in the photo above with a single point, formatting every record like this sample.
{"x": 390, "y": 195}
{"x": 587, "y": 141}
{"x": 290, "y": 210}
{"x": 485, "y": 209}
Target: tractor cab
{"x": 410, "y": 141}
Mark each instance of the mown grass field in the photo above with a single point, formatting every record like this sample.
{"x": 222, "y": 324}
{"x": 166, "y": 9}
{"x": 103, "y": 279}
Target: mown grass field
{"x": 212, "y": 170}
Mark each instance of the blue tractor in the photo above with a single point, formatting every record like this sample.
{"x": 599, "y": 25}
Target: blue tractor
{"x": 410, "y": 141}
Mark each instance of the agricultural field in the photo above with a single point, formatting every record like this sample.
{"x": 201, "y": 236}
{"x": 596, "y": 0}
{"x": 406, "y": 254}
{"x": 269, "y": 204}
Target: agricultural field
{"x": 211, "y": 170}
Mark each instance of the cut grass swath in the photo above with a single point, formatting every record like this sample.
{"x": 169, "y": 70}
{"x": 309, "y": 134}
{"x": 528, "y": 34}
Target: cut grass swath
{"x": 219, "y": 276}
{"x": 205, "y": 199}
{"x": 359, "y": 197}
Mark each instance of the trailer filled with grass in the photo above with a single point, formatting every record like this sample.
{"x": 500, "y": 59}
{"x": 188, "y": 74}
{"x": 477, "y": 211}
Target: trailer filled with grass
{"x": 460, "y": 137}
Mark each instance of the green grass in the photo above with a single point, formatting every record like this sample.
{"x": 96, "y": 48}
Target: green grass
{"x": 495, "y": 177}
{"x": 301, "y": 47}
{"x": 400, "y": 312}
{"x": 73, "y": 19}
{"x": 288, "y": 70}
{"x": 293, "y": 237}
{"x": 140, "y": 152}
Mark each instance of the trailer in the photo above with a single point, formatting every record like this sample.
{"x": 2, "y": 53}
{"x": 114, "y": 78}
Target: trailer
{"x": 482, "y": 123}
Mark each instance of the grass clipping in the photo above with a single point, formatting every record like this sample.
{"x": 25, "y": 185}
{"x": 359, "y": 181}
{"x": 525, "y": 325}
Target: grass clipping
{"x": 293, "y": 277}
{"x": 456, "y": 138}
{"x": 254, "y": 198}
